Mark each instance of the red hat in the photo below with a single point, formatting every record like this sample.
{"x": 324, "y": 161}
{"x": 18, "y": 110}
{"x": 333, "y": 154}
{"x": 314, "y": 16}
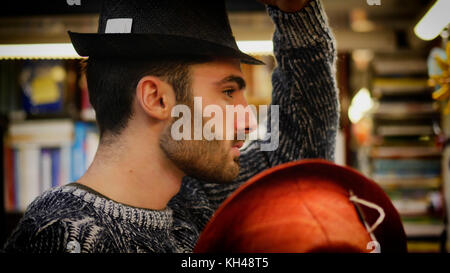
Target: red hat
{"x": 305, "y": 206}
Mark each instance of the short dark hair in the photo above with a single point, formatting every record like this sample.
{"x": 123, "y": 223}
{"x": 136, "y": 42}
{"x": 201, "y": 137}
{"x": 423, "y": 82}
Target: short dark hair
{"x": 112, "y": 85}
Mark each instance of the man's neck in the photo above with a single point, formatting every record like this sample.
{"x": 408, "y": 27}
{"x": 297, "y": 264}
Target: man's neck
{"x": 135, "y": 175}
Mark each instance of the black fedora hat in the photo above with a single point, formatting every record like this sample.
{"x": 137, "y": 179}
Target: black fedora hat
{"x": 155, "y": 28}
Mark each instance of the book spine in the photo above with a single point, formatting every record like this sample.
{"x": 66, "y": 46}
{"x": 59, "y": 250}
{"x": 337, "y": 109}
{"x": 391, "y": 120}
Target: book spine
{"x": 16, "y": 180}
{"x": 55, "y": 160}
{"x": 65, "y": 165}
{"x": 29, "y": 175}
{"x": 9, "y": 178}
{"x": 78, "y": 152}
{"x": 46, "y": 170}
{"x": 92, "y": 142}
{"x": 407, "y": 166}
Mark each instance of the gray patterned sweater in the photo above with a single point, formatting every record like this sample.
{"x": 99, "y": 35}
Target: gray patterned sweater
{"x": 73, "y": 218}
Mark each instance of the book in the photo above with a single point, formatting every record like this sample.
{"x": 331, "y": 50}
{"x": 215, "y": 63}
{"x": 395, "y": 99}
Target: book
{"x": 404, "y": 141}
{"x": 418, "y": 203}
{"x": 78, "y": 164}
{"x": 83, "y": 149}
{"x": 423, "y": 246}
{"x": 92, "y": 142}
{"x": 400, "y": 86}
{"x": 404, "y": 130}
{"x": 65, "y": 164}
{"x": 17, "y": 188}
{"x": 55, "y": 167}
{"x": 28, "y": 177}
{"x": 423, "y": 230}
{"x": 9, "y": 178}
{"x": 411, "y": 207}
{"x": 393, "y": 182}
{"x": 46, "y": 169}
{"x": 405, "y": 151}
{"x": 87, "y": 111}
{"x": 400, "y": 66}
{"x": 39, "y": 155}
{"x": 407, "y": 167}
{"x": 405, "y": 108}
{"x": 48, "y": 133}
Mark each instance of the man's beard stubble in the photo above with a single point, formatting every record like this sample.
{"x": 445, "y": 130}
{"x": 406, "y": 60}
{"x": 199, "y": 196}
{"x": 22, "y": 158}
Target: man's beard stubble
{"x": 202, "y": 159}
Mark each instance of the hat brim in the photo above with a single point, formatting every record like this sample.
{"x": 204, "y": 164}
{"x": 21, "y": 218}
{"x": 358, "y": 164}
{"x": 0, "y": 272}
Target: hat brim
{"x": 151, "y": 45}
{"x": 288, "y": 178}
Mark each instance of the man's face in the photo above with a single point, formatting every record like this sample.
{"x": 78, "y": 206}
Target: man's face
{"x": 218, "y": 83}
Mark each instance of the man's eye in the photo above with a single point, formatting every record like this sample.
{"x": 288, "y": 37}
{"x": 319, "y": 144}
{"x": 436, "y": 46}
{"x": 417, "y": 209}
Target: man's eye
{"x": 229, "y": 92}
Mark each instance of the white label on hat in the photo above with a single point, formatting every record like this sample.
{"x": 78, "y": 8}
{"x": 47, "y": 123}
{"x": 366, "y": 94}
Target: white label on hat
{"x": 119, "y": 25}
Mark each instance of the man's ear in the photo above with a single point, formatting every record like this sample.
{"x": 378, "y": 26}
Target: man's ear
{"x": 155, "y": 97}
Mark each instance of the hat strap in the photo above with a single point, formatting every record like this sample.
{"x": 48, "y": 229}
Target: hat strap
{"x": 366, "y": 203}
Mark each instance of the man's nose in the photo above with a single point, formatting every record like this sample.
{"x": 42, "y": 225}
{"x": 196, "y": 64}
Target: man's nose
{"x": 246, "y": 120}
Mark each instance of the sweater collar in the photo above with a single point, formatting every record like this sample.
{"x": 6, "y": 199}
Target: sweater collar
{"x": 153, "y": 219}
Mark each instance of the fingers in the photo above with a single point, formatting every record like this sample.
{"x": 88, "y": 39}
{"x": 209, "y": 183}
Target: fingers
{"x": 287, "y": 5}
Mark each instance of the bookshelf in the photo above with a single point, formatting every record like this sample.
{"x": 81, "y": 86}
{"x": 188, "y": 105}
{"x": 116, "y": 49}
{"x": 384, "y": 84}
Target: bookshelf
{"x": 41, "y": 154}
{"x": 405, "y": 153}
{"x": 49, "y": 135}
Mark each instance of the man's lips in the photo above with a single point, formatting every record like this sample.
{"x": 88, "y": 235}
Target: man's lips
{"x": 236, "y": 147}
{"x": 238, "y": 144}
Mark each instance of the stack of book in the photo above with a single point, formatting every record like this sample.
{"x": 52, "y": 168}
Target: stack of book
{"x": 406, "y": 154}
{"x": 43, "y": 154}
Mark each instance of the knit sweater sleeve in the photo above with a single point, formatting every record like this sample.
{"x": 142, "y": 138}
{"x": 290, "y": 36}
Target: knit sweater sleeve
{"x": 304, "y": 88}
{"x": 304, "y": 85}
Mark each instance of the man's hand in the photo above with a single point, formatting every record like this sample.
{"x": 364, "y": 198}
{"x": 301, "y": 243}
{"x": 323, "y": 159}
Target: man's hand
{"x": 287, "y": 5}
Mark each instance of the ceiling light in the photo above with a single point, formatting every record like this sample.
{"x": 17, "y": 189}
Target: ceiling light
{"x": 361, "y": 104}
{"x": 38, "y": 51}
{"x": 256, "y": 47}
{"x": 66, "y": 50}
{"x": 434, "y": 21}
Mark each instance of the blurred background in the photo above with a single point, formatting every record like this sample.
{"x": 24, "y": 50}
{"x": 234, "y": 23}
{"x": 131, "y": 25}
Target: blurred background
{"x": 393, "y": 78}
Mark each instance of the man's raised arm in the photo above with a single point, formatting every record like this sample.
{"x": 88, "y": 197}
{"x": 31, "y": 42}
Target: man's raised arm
{"x": 304, "y": 83}
{"x": 304, "y": 88}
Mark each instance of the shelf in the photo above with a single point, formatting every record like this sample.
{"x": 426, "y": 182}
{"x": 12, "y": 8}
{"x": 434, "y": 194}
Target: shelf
{"x": 405, "y": 151}
{"x": 405, "y": 155}
{"x": 424, "y": 230}
{"x": 395, "y": 183}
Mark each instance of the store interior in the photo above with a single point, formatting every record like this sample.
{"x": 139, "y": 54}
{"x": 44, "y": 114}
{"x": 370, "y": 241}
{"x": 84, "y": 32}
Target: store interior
{"x": 394, "y": 118}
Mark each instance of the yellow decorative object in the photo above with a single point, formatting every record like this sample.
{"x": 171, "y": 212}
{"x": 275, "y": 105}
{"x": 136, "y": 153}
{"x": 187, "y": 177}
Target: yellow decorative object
{"x": 44, "y": 90}
{"x": 443, "y": 80}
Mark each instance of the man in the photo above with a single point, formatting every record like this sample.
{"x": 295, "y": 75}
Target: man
{"x": 147, "y": 192}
